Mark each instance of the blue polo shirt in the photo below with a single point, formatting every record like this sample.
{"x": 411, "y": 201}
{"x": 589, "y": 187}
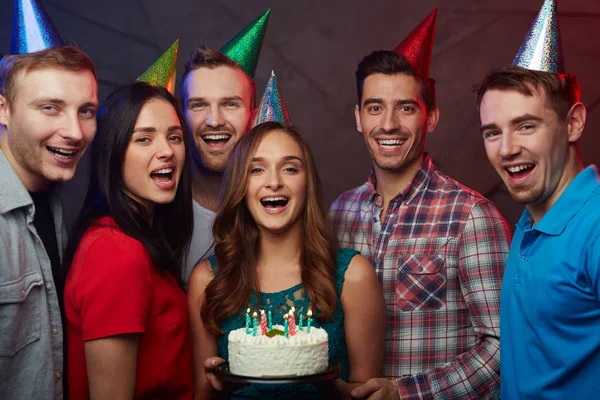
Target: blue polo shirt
{"x": 550, "y": 300}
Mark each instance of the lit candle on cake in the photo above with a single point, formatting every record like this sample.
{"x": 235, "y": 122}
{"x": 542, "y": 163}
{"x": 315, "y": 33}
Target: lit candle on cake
{"x": 285, "y": 325}
{"x": 254, "y": 323}
{"x": 247, "y": 321}
{"x": 309, "y": 322}
{"x": 292, "y": 322}
{"x": 263, "y": 322}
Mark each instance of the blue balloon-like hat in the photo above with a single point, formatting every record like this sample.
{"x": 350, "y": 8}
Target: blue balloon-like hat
{"x": 32, "y": 29}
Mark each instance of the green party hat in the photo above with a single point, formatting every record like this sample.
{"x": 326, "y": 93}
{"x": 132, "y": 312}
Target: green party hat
{"x": 244, "y": 48}
{"x": 162, "y": 72}
{"x": 272, "y": 107}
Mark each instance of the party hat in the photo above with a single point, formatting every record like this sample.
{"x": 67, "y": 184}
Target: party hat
{"x": 244, "y": 48}
{"x": 272, "y": 107}
{"x": 162, "y": 72}
{"x": 418, "y": 45}
{"x": 542, "y": 48}
{"x": 32, "y": 29}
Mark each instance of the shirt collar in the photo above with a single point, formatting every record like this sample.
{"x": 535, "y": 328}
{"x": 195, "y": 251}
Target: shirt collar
{"x": 569, "y": 203}
{"x": 13, "y": 193}
{"x": 418, "y": 183}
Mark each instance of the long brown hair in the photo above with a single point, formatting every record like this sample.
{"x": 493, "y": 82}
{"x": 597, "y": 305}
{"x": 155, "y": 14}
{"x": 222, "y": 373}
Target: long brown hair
{"x": 237, "y": 238}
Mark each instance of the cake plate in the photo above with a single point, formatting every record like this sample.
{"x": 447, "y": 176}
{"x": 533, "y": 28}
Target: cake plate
{"x": 332, "y": 372}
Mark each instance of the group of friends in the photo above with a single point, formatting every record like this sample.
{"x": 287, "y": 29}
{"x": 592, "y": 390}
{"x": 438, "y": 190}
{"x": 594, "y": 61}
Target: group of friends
{"x": 198, "y": 210}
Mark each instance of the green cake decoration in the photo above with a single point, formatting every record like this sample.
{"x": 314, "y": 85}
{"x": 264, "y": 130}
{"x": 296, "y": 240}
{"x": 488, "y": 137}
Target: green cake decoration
{"x": 274, "y": 332}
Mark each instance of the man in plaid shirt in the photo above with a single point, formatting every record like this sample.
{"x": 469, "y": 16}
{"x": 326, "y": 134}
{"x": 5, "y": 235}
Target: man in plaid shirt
{"x": 438, "y": 248}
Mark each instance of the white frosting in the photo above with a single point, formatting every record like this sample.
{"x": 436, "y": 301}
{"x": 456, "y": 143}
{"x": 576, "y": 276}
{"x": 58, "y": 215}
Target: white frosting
{"x": 301, "y": 354}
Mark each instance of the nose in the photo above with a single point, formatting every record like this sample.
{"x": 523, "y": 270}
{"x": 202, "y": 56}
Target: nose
{"x": 164, "y": 150}
{"x": 214, "y": 117}
{"x": 73, "y": 129}
{"x": 390, "y": 121}
{"x": 509, "y": 146}
{"x": 273, "y": 181}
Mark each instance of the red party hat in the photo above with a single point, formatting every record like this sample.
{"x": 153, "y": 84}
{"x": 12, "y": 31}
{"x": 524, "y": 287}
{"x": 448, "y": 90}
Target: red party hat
{"x": 418, "y": 45}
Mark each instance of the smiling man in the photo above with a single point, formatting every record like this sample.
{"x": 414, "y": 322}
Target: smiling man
{"x": 438, "y": 247}
{"x": 531, "y": 122}
{"x": 218, "y": 99}
{"x": 48, "y": 103}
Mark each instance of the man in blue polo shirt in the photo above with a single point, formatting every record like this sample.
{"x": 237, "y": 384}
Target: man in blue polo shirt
{"x": 531, "y": 121}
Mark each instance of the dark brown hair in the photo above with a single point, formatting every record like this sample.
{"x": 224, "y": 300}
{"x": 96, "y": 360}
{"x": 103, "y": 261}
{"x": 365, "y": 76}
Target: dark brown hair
{"x": 203, "y": 57}
{"x": 237, "y": 238}
{"x": 561, "y": 90}
{"x": 64, "y": 57}
{"x": 390, "y": 63}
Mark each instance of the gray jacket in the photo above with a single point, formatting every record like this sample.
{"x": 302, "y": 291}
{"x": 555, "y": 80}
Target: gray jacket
{"x": 31, "y": 338}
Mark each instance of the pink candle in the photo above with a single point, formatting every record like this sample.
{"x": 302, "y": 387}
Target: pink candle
{"x": 292, "y": 322}
{"x": 263, "y": 322}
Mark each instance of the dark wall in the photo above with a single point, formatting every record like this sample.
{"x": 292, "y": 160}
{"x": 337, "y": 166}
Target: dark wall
{"x": 314, "y": 47}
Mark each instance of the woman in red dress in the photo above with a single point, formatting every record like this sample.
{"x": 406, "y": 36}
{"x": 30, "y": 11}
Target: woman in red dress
{"x": 128, "y": 331}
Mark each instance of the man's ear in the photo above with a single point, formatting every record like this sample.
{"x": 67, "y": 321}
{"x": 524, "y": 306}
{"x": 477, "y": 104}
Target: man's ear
{"x": 357, "y": 117}
{"x": 576, "y": 121}
{"x": 432, "y": 119}
{"x": 4, "y": 110}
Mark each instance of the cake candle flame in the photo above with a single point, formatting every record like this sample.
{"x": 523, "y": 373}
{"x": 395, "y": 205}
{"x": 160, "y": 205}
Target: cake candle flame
{"x": 254, "y": 323}
{"x": 309, "y": 322}
{"x": 285, "y": 325}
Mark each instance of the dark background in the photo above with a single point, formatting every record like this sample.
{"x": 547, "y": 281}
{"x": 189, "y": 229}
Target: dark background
{"x": 314, "y": 47}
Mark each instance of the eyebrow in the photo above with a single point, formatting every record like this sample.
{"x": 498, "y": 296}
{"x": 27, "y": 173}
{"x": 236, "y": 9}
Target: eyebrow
{"x": 62, "y": 103}
{"x": 513, "y": 122}
{"x": 286, "y": 158}
{"x": 403, "y": 102}
{"x": 151, "y": 129}
{"x": 226, "y": 98}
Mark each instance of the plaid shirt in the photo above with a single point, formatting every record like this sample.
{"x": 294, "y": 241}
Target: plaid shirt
{"x": 439, "y": 252}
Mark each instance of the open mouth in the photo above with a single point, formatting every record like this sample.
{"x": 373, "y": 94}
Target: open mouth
{"x": 216, "y": 139}
{"x": 164, "y": 175}
{"x": 62, "y": 153}
{"x": 274, "y": 202}
{"x": 390, "y": 143}
{"x": 520, "y": 171}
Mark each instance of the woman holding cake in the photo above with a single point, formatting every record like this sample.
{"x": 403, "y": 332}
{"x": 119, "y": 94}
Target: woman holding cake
{"x": 275, "y": 255}
{"x": 128, "y": 331}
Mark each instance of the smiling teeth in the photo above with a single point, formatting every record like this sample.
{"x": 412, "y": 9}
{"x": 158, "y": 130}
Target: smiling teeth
{"x": 274, "y": 199}
{"x": 390, "y": 142}
{"x": 216, "y": 137}
{"x": 62, "y": 151}
{"x": 164, "y": 171}
{"x": 518, "y": 168}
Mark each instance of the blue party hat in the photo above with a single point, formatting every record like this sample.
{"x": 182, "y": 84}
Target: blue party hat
{"x": 32, "y": 29}
{"x": 542, "y": 48}
{"x": 272, "y": 107}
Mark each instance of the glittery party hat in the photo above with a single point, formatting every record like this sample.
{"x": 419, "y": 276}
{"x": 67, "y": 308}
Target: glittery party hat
{"x": 162, "y": 72}
{"x": 418, "y": 45}
{"x": 32, "y": 29}
{"x": 272, "y": 107}
{"x": 244, "y": 48}
{"x": 542, "y": 48}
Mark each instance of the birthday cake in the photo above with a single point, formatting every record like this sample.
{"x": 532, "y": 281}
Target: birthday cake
{"x": 287, "y": 350}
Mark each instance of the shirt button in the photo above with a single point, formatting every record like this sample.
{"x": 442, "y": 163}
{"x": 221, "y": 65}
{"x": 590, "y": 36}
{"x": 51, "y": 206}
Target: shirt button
{"x": 377, "y": 261}
{"x": 57, "y": 375}
{"x": 48, "y": 286}
{"x": 525, "y": 258}
{"x": 54, "y": 331}
{"x": 30, "y": 209}
{"x": 37, "y": 241}
{"x": 420, "y": 269}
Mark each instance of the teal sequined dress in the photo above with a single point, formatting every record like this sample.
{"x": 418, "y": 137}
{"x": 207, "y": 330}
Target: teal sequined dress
{"x": 279, "y": 303}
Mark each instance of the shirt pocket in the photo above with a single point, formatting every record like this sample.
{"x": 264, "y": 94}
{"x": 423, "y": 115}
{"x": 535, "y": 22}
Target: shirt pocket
{"x": 20, "y": 313}
{"x": 420, "y": 282}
